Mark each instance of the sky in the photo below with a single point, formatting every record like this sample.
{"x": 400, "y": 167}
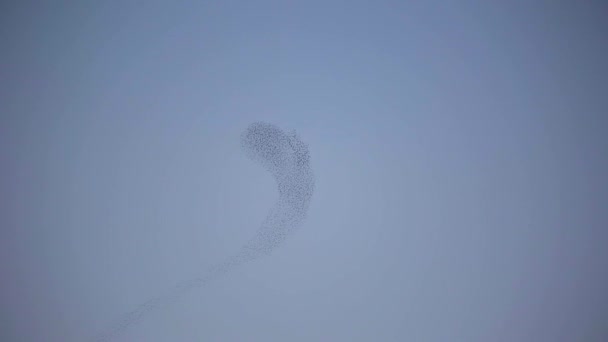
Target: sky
{"x": 459, "y": 153}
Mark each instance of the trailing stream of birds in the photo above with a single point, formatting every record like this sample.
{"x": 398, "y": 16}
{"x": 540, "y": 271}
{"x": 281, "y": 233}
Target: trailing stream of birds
{"x": 287, "y": 158}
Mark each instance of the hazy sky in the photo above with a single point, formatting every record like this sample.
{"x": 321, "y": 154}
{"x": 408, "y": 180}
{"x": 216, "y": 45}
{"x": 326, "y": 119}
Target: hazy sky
{"x": 459, "y": 148}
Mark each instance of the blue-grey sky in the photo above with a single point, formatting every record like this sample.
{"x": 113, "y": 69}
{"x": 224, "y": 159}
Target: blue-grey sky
{"x": 459, "y": 150}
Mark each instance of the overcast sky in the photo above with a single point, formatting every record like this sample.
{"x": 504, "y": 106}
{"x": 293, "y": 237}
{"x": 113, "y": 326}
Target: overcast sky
{"x": 459, "y": 149}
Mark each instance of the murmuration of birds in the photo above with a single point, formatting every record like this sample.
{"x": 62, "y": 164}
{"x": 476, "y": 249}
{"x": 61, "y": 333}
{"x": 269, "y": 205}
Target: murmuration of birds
{"x": 287, "y": 158}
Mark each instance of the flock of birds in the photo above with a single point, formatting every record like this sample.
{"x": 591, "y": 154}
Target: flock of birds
{"x": 287, "y": 158}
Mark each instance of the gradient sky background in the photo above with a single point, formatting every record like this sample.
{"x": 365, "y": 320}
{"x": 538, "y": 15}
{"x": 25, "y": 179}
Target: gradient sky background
{"x": 460, "y": 151}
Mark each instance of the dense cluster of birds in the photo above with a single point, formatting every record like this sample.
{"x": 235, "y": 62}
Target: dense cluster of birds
{"x": 287, "y": 158}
